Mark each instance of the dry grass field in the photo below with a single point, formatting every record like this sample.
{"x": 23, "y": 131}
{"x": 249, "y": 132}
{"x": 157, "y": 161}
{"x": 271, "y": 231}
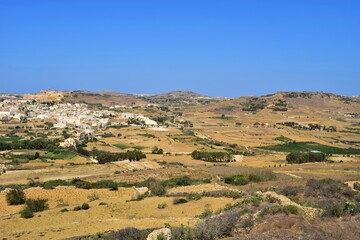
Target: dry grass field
{"x": 116, "y": 214}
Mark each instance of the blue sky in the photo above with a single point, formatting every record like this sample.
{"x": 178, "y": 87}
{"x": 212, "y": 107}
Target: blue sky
{"x": 220, "y": 48}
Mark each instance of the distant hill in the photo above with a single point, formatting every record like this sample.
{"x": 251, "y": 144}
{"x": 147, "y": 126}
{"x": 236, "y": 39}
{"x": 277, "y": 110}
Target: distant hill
{"x": 180, "y": 95}
{"x": 287, "y": 102}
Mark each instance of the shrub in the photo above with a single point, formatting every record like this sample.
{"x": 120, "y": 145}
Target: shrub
{"x": 178, "y": 181}
{"x": 93, "y": 197}
{"x": 64, "y": 210}
{"x": 327, "y": 188}
{"x": 26, "y": 213}
{"x": 85, "y": 206}
{"x": 81, "y": 183}
{"x": 207, "y": 213}
{"x": 129, "y": 234}
{"x": 162, "y": 205}
{"x": 61, "y": 203}
{"x": 237, "y": 180}
{"x": 179, "y": 201}
{"x": 157, "y": 150}
{"x": 290, "y": 191}
{"x": 15, "y": 197}
{"x": 54, "y": 183}
{"x": 37, "y": 205}
{"x": 219, "y": 226}
{"x": 272, "y": 199}
{"x": 182, "y": 233}
{"x": 77, "y": 208}
{"x": 106, "y": 184}
{"x": 357, "y": 186}
{"x": 156, "y": 188}
{"x": 194, "y": 196}
{"x": 332, "y": 208}
{"x": 140, "y": 197}
{"x": 289, "y": 209}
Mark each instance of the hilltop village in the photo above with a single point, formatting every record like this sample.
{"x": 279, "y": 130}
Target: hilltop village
{"x": 75, "y": 116}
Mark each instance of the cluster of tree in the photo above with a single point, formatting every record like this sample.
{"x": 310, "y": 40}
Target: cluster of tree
{"x": 300, "y": 157}
{"x": 298, "y": 94}
{"x": 280, "y": 109}
{"x": 105, "y": 157}
{"x": 237, "y": 152}
{"x": 81, "y": 150}
{"x": 211, "y": 156}
{"x": 254, "y": 105}
{"x": 310, "y": 126}
{"x": 38, "y": 144}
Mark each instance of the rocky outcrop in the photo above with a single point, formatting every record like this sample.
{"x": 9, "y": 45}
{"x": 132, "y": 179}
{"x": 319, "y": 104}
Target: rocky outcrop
{"x": 163, "y": 233}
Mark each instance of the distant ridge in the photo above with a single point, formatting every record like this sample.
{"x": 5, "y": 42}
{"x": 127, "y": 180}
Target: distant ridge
{"x": 180, "y": 94}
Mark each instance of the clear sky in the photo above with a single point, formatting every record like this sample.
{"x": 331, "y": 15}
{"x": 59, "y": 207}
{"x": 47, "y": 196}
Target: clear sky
{"x": 219, "y": 48}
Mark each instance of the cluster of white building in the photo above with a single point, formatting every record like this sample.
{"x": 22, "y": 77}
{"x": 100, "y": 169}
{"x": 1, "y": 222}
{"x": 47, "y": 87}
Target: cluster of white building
{"x": 63, "y": 115}
{"x": 144, "y": 120}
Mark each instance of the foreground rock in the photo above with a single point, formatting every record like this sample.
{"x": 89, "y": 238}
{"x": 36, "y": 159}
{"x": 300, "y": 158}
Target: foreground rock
{"x": 164, "y": 232}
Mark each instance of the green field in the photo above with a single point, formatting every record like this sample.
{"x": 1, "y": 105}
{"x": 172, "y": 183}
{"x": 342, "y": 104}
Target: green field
{"x": 61, "y": 155}
{"x": 309, "y": 146}
{"x": 139, "y": 147}
{"x": 121, "y": 146}
{"x": 10, "y": 139}
{"x": 223, "y": 117}
{"x": 283, "y": 139}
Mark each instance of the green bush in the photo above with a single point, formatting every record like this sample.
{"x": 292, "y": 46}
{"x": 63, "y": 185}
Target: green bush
{"x": 106, "y": 184}
{"x": 26, "y": 213}
{"x": 179, "y": 201}
{"x": 289, "y": 209}
{"x": 85, "y": 206}
{"x": 15, "y": 197}
{"x": 178, "y": 181}
{"x": 37, "y": 205}
{"x": 237, "y": 180}
{"x": 81, "y": 183}
{"x": 162, "y": 205}
{"x": 54, "y": 183}
{"x": 243, "y": 179}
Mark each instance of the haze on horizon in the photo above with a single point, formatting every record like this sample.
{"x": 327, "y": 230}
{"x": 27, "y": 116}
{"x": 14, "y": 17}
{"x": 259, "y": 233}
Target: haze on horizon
{"x": 215, "y": 48}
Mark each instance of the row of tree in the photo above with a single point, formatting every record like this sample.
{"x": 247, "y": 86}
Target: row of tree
{"x": 105, "y": 157}
{"x": 38, "y": 144}
{"x": 211, "y": 156}
{"x": 304, "y": 157}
